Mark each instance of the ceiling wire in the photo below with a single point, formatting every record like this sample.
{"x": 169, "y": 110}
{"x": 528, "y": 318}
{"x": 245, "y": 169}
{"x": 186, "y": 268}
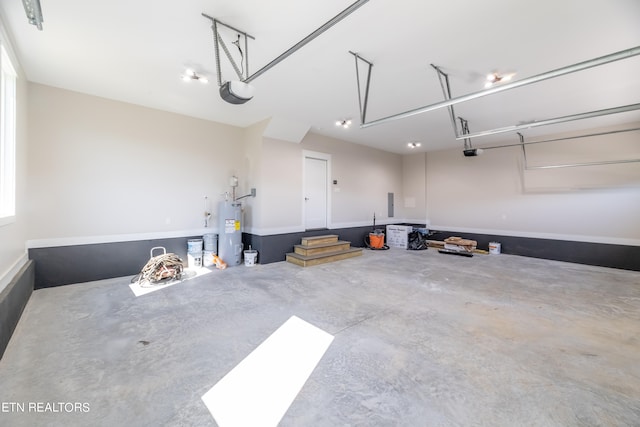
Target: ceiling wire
{"x": 237, "y": 43}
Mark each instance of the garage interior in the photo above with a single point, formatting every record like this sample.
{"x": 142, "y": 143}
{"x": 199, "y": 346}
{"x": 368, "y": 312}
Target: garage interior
{"x": 134, "y": 125}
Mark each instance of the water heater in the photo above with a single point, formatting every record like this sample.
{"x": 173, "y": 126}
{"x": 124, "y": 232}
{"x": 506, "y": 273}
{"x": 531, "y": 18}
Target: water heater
{"x": 230, "y": 232}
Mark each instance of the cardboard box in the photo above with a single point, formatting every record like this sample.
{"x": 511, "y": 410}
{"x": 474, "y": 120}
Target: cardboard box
{"x": 398, "y": 236}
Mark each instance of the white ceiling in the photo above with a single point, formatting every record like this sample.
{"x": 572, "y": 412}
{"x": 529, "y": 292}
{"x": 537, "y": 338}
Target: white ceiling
{"x": 136, "y": 51}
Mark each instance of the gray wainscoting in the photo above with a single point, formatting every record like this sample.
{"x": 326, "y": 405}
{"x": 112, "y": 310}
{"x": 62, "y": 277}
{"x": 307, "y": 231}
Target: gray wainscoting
{"x": 63, "y": 265}
{"x": 13, "y": 299}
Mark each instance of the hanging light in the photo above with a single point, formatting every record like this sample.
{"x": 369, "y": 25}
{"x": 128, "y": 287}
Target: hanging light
{"x": 34, "y": 12}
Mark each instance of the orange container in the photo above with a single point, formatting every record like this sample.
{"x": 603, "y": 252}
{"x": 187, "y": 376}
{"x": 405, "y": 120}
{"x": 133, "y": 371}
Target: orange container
{"x": 376, "y": 240}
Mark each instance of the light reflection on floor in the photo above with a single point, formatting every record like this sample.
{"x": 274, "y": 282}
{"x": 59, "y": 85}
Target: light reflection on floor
{"x": 260, "y": 389}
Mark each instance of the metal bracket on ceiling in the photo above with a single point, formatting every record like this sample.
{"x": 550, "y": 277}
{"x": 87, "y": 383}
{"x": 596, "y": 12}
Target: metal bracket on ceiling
{"x": 616, "y": 56}
{"x": 464, "y": 124}
{"x": 363, "y": 104}
{"x": 446, "y": 91}
{"x": 468, "y": 150}
{"x": 524, "y": 150}
{"x": 570, "y": 165}
{"x": 246, "y": 77}
{"x": 243, "y": 71}
{"x": 466, "y": 135}
{"x": 555, "y": 120}
{"x": 564, "y": 138}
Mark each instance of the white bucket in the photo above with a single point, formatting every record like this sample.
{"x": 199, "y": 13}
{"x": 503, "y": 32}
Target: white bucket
{"x": 194, "y": 259}
{"x": 250, "y": 257}
{"x": 494, "y": 248}
{"x": 210, "y": 242}
{"x": 207, "y": 258}
{"x": 194, "y": 245}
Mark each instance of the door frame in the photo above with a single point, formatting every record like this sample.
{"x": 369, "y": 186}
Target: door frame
{"x": 319, "y": 156}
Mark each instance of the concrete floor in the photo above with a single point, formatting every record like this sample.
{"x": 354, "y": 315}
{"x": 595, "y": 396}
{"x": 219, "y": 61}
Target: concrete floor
{"x": 421, "y": 339}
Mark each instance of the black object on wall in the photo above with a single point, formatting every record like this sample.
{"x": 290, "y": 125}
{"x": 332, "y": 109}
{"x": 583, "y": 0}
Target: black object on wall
{"x": 13, "y": 300}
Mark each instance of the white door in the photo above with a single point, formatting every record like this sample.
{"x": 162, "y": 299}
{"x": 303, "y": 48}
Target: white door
{"x": 315, "y": 193}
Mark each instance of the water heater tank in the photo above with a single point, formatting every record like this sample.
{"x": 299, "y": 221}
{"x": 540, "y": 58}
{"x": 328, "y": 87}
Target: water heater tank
{"x": 230, "y": 232}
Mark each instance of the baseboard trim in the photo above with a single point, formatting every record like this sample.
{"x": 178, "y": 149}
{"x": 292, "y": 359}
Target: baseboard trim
{"x": 9, "y": 275}
{"x": 116, "y": 238}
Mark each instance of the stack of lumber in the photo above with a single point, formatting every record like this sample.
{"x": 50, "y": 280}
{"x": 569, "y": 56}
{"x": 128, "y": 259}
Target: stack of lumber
{"x": 457, "y": 244}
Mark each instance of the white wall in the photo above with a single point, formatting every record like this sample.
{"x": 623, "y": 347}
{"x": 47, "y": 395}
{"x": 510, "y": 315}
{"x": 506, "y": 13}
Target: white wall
{"x": 252, "y": 175}
{"x": 14, "y": 235}
{"x": 104, "y": 168}
{"x": 365, "y": 175}
{"x": 280, "y": 190}
{"x": 101, "y": 170}
{"x": 492, "y": 193}
{"x": 414, "y": 187}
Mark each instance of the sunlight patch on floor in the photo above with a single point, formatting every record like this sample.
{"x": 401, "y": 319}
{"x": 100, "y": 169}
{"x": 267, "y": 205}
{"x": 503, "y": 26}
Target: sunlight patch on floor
{"x": 188, "y": 274}
{"x": 260, "y": 389}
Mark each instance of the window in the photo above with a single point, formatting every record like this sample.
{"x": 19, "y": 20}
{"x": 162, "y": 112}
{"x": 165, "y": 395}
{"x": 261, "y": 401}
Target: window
{"x": 7, "y": 139}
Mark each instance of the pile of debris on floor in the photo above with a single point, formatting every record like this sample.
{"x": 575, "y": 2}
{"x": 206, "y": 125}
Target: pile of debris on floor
{"x": 457, "y": 246}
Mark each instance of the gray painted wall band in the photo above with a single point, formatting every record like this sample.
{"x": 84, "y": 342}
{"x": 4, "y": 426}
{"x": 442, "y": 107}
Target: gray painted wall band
{"x": 57, "y": 266}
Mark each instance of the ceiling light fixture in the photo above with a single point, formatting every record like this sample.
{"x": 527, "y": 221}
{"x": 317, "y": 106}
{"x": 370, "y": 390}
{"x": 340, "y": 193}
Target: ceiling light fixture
{"x": 34, "y": 12}
{"x": 344, "y": 123}
{"x": 190, "y": 75}
{"x": 413, "y": 144}
{"x": 495, "y": 78}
